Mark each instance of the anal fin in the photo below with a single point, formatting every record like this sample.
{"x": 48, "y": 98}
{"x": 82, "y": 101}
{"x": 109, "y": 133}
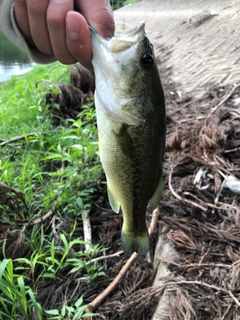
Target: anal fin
{"x": 154, "y": 201}
{"x": 115, "y": 205}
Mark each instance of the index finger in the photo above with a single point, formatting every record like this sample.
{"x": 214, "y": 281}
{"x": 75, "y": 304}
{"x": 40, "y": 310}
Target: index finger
{"x": 98, "y": 13}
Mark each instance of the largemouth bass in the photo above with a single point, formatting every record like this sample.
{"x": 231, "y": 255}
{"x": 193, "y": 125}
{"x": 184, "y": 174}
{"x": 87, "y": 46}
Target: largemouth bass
{"x": 130, "y": 110}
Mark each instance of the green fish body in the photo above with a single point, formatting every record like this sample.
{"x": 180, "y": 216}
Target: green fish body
{"x": 130, "y": 109}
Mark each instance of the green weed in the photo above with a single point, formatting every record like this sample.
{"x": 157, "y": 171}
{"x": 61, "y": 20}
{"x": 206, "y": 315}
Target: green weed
{"x": 47, "y": 165}
{"x": 75, "y": 312}
{"x": 17, "y": 300}
{"x": 66, "y": 158}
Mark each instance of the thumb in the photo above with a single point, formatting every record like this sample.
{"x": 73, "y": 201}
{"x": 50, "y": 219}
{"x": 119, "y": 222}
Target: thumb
{"x": 98, "y": 13}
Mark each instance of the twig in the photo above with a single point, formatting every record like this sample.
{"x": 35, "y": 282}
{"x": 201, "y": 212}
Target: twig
{"x": 234, "y": 298}
{"x": 220, "y": 265}
{"x": 219, "y": 192}
{"x": 100, "y": 298}
{"x": 87, "y": 229}
{"x": 231, "y": 150}
{"x": 3, "y": 142}
{"x": 116, "y": 254}
{"x": 204, "y": 256}
{"x": 211, "y": 286}
{"x": 188, "y": 120}
{"x": 52, "y": 223}
{"x": 75, "y": 289}
{"x": 225, "y": 98}
{"x": 226, "y": 312}
{"x": 236, "y": 262}
{"x": 214, "y": 206}
{"x": 46, "y": 216}
{"x": 179, "y": 197}
{"x": 153, "y": 225}
{"x": 152, "y": 230}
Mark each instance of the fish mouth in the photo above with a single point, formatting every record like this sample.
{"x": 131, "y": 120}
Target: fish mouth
{"x": 122, "y": 42}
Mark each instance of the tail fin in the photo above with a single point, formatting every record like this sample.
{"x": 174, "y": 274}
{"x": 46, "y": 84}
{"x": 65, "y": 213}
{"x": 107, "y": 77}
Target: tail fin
{"x": 135, "y": 243}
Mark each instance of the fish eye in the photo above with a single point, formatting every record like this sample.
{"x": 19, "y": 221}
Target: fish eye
{"x": 146, "y": 61}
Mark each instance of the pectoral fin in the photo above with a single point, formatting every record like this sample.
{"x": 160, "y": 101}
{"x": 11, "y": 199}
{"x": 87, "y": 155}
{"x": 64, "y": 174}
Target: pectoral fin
{"x": 124, "y": 140}
{"x": 154, "y": 201}
{"x": 115, "y": 205}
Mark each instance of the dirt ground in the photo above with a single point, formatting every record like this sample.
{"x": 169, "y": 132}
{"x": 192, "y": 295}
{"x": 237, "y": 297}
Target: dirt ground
{"x": 199, "y": 215}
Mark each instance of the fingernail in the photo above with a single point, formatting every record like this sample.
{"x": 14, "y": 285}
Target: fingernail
{"x": 60, "y": 1}
{"x": 73, "y": 29}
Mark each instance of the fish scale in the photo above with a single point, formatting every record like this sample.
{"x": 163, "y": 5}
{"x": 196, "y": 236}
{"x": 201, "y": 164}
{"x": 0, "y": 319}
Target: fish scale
{"x": 131, "y": 121}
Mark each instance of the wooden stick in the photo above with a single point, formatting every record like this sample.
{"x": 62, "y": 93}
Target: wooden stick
{"x": 100, "y": 298}
{"x": 116, "y": 254}
{"x": 87, "y": 229}
{"x": 153, "y": 225}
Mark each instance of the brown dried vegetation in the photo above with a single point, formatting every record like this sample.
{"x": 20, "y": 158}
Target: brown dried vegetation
{"x": 202, "y": 215}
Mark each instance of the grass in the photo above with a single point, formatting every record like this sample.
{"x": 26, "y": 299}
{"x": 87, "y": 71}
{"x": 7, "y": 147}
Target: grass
{"x": 116, "y": 4}
{"x": 57, "y": 164}
{"x": 28, "y": 164}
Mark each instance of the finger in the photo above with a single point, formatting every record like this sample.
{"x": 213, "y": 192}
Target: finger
{"x": 56, "y": 20}
{"x": 79, "y": 38}
{"x": 38, "y": 25}
{"x": 98, "y": 14}
{"x": 21, "y": 15}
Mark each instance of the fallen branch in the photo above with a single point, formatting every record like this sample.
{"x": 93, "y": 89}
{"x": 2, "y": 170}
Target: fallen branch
{"x": 100, "y": 298}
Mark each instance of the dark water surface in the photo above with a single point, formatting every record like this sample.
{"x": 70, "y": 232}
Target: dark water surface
{"x": 13, "y": 60}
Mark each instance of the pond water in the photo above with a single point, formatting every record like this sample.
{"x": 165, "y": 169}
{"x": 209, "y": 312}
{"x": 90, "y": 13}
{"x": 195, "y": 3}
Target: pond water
{"x": 13, "y": 60}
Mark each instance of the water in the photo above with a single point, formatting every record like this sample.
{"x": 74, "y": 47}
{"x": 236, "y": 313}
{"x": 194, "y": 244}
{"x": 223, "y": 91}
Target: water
{"x": 13, "y": 60}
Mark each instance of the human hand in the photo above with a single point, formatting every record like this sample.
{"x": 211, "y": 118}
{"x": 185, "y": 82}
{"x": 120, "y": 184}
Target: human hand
{"x": 60, "y": 27}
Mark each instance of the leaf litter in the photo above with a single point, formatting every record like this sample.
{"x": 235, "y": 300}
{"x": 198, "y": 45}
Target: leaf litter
{"x": 200, "y": 209}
